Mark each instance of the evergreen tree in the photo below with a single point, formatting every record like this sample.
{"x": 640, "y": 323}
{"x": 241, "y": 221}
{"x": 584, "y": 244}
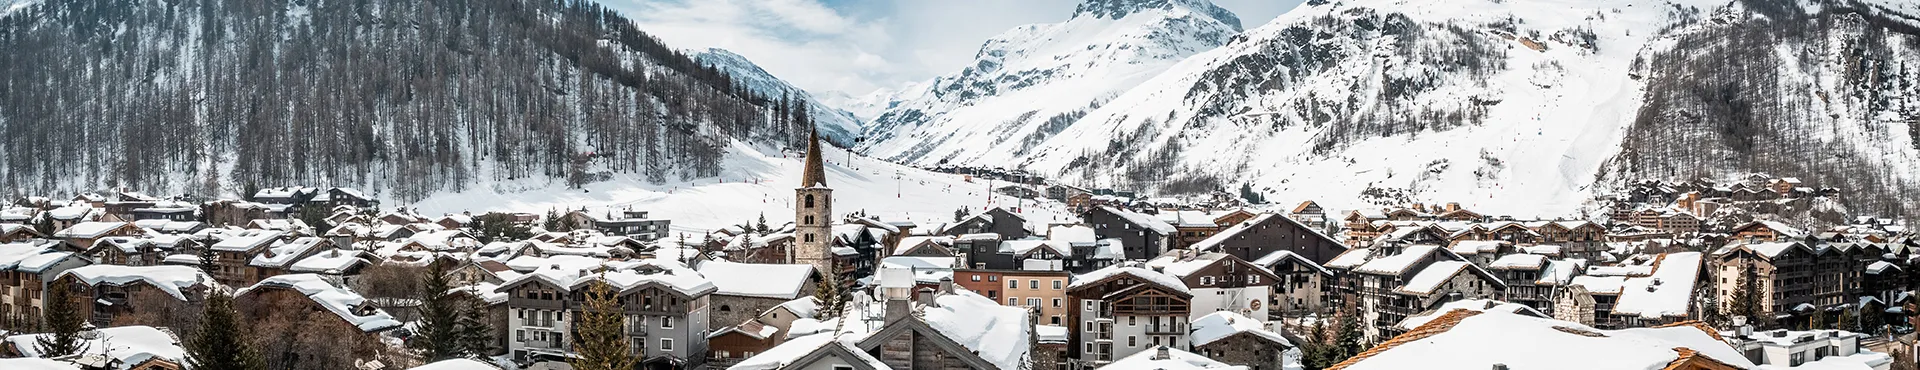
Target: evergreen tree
{"x": 552, "y": 221}
{"x": 437, "y": 336}
{"x": 316, "y": 218}
{"x": 476, "y": 334}
{"x": 44, "y": 225}
{"x": 829, "y": 296}
{"x": 1349, "y": 337}
{"x": 218, "y": 345}
{"x": 1746, "y": 300}
{"x": 959, "y": 214}
{"x": 63, "y": 320}
{"x": 762, "y": 225}
{"x": 1711, "y": 310}
{"x": 599, "y": 341}
{"x": 1818, "y": 320}
{"x": 1848, "y": 321}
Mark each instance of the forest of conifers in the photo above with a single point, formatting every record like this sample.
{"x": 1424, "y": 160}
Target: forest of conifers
{"x": 401, "y": 97}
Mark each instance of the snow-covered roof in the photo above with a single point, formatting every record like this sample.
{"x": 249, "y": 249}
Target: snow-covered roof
{"x": 1133, "y": 271}
{"x": 88, "y": 230}
{"x": 343, "y": 302}
{"x": 1471, "y": 304}
{"x": 1470, "y": 340}
{"x": 1880, "y": 266}
{"x": 34, "y": 363}
{"x": 780, "y": 356}
{"x": 1071, "y": 233}
{"x": 665, "y": 273}
{"x": 1668, "y": 292}
{"x": 168, "y": 278}
{"x": 1519, "y": 261}
{"x": 456, "y": 364}
{"x": 1611, "y": 285}
{"x": 332, "y": 261}
{"x": 996, "y": 333}
{"x": 1436, "y": 273}
{"x": 1222, "y": 324}
{"x": 1350, "y": 259}
{"x": 1396, "y": 264}
{"x": 757, "y": 280}
{"x": 246, "y": 240}
{"x": 1468, "y": 247}
{"x": 282, "y": 253}
{"x": 1271, "y": 259}
{"x": 1149, "y": 359}
{"x": 1147, "y": 221}
{"x": 129, "y": 345}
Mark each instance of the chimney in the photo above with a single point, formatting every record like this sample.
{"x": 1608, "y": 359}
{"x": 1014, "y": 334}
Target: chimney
{"x": 946, "y": 285}
{"x": 898, "y": 308}
{"x": 1160, "y": 353}
{"x": 926, "y": 298}
{"x": 1499, "y": 366}
{"x": 1453, "y": 206}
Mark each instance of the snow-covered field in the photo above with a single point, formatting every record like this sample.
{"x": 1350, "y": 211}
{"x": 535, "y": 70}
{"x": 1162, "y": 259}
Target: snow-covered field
{"x": 759, "y": 181}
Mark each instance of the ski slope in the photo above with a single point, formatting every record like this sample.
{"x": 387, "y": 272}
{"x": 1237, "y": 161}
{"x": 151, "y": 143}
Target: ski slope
{"x": 760, "y": 181}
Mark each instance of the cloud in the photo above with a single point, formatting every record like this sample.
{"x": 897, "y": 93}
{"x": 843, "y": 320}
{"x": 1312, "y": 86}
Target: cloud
{"x": 857, "y": 46}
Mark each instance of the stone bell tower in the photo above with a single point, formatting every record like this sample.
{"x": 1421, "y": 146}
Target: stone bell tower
{"x": 813, "y": 212}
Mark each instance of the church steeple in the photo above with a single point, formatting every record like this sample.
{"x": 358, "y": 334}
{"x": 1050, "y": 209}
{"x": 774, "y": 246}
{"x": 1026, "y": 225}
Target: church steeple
{"x": 816, "y": 172}
{"x": 813, "y": 212}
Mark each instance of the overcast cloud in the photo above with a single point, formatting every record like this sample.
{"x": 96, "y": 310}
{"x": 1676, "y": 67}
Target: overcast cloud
{"x": 857, "y": 46}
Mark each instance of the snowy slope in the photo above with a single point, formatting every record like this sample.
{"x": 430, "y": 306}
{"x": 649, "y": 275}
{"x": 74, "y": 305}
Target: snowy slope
{"x": 1028, "y": 82}
{"x": 757, "y": 181}
{"x": 836, "y": 125}
{"x": 1508, "y": 107}
{"x": 864, "y": 107}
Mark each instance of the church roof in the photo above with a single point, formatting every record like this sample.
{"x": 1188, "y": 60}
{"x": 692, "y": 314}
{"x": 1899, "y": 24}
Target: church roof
{"x": 815, "y": 174}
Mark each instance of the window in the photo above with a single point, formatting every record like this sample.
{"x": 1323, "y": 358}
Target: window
{"x": 1033, "y": 302}
{"x": 993, "y": 277}
{"x": 725, "y": 308}
{"x": 1013, "y": 284}
{"x": 809, "y": 220}
{"x": 1206, "y": 280}
{"x": 519, "y": 335}
{"x": 666, "y": 322}
{"x": 1033, "y": 284}
{"x": 809, "y": 200}
{"x": 1133, "y": 321}
{"x": 976, "y": 278}
{"x": 1056, "y": 303}
{"x": 1133, "y": 341}
{"x": 1056, "y": 285}
{"x": 1253, "y": 279}
{"x": 666, "y": 344}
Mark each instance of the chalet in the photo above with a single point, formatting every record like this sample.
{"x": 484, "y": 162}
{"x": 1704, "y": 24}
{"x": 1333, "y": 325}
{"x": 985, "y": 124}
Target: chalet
{"x": 670, "y": 301}
{"x": 332, "y": 263}
{"x": 81, "y": 236}
{"x": 129, "y": 251}
{"x": 26, "y": 269}
{"x": 17, "y": 232}
{"x": 335, "y": 197}
{"x": 1393, "y": 283}
{"x": 1582, "y": 239}
{"x": 318, "y": 305}
{"x": 284, "y": 195}
{"x": 1784, "y": 273}
{"x": 1219, "y": 282}
{"x": 1000, "y": 221}
{"x": 234, "y": 252}
{"x": 939, "y": 328}
{"x": 745, "y": 290}
{"x": 133, "y": 348}
{"x": 1191, "y": 226}
{"x": 1268, "y": 233}
{"x": 1533, "y": 279}
{"x": 1141, "y": 236}
{"x": 111, "y": 295}
{"x": 1765, "y": 231}
{"x": 1238, "y": 340}
{"x": 1124, "y": 309}
{"x": 455, "y": 221}
{"x": 477, "y": 271}
{"x": 1301, "y": 285}
{"x": 631, "y": 223}
{"x": 1307, "y": 212}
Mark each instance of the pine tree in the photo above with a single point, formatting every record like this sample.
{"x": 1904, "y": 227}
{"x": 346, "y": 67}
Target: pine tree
{"x": 1745, "y": 301}
{"x": 437, "y": 337}
{"x": 218, "y": 345}
{"x": 1818, "y": 320}
{"x": 62, "y": 318}
{"x": 45, "y": 225}
{"x": 1711, "y": 310}
{"x": 828, "y": 295}
{"x": 1349, "y": 337}
{"x": 553, "y": 220}
{"x": 1848, "y": 321}
{"x": 476, "y": 334}
{"x": 599, "y": 341}
{"x": 762, "y": 225}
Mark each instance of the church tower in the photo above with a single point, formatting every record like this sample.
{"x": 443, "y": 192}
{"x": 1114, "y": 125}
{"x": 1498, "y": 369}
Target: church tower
{"x": 813, "y": 212}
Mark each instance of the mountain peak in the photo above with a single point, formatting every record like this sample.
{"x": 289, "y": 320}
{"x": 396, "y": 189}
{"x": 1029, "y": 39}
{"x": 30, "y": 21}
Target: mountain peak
{"x": 1116, "y": 9}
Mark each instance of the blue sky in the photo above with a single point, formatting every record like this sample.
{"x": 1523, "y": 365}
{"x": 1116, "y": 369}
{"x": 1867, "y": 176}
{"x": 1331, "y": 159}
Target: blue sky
{"x": 857, "y": 46}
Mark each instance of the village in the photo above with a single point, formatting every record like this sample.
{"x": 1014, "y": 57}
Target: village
{"x": 325, "y": 278}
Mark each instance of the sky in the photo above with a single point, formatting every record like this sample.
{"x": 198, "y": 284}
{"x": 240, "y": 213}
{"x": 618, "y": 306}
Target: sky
{"x": 858, "y": 46}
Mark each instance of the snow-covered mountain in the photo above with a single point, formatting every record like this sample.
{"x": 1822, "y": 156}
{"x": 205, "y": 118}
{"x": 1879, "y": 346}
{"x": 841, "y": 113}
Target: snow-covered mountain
{"x": 1517, "y": 107}
{"x": 835, "y": 125}
{"x": 401, "y": 98}
{"x": 864, "y": 107}
{"x": 1028, "y": 83}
